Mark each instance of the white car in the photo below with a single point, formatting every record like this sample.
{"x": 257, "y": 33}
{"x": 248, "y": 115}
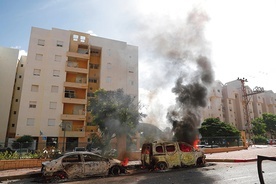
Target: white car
{"x": 80, "y": 164}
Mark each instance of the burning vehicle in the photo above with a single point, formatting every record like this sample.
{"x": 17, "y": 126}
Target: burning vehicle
{"x": 80, "y": 165}
{"x": 166, "y": 155}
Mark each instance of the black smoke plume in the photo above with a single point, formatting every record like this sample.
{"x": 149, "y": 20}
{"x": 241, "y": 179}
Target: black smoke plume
{"x": 192, "y": 85}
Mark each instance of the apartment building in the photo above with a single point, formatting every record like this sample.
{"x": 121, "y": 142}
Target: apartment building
{"x": 62, "y": 70}
{"x": 8, "y": 63}
{"x": 226, "y": 103}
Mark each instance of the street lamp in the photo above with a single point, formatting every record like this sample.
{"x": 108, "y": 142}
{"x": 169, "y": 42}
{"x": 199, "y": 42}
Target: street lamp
{"x": 64, "y": 126}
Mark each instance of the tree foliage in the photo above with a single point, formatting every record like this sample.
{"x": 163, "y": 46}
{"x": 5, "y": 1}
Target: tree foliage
{"x": 213, "y": 127}
{"x": 114, "y": 112}
{"x": 259, "y": 127}
{"x": 270, "y": 121}
{"x": 24, "y": 142}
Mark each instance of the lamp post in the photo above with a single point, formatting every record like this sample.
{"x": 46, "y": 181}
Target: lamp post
{"x": 63, "y": 126}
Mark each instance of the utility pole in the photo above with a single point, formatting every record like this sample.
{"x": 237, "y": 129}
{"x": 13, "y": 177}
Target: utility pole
{"x": 245, "y": 102}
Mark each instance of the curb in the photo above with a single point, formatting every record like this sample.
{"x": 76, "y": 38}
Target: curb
{"x": 231, "y": 160}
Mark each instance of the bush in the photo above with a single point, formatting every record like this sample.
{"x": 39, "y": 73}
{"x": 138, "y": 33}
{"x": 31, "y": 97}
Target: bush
{"x": 259, "y": 139}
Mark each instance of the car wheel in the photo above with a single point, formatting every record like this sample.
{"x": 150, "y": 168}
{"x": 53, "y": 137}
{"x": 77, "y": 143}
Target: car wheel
{"x": 115, "y": 170}
{"x": 200, "y": 161}
{"x": 161, "y": 166}
{"x": 57, "y": 176}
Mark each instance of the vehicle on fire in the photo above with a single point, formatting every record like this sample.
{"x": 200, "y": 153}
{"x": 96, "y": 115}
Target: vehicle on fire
{"x": 166, "y": 155}
{"x": 79, "y": 165}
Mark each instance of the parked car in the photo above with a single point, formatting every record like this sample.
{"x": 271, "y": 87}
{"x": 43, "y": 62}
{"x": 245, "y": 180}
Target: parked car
{"x": 166, "y": 155}
{"x": 79, "y": 165}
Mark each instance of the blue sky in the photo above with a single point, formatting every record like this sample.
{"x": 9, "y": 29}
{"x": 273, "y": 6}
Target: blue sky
{"x": 240, "y": 34}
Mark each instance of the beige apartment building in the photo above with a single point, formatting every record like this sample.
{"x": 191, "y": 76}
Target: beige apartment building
{"x": 226, "y": 103}
{"x": 8, "y": 63}
{"x": 62, "y": 70}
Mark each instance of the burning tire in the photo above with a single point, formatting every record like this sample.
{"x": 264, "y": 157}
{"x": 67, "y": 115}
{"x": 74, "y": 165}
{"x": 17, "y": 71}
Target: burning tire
{"x": 161, "y": 166}
{"x": 115, "y": 170}
{"x": 58, "y": 176}
{"x": 200, "y": 161}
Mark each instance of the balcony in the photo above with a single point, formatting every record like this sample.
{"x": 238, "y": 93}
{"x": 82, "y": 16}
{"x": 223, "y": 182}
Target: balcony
{"x": 80, "y": 55}
{"x": 76, "y": 85}
{"x": 71, "y": 117}
{"x": 74, "y": 67}
{"x": 74, "y": 100}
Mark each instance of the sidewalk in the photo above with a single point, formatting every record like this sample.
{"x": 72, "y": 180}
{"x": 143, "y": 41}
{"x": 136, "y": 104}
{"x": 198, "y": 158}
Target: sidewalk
{"x": 247, "y": 155}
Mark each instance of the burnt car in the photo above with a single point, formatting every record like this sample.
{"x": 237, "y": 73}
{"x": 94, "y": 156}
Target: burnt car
{"x": 166, "y": 155}
{"x": 79, "y": 165}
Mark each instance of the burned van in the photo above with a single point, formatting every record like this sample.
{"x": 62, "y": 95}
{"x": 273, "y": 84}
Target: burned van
{"x": 166, "y": 155}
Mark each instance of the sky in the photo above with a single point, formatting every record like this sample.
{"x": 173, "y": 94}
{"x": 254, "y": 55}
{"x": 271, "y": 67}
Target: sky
{"x": 239, "y": 35}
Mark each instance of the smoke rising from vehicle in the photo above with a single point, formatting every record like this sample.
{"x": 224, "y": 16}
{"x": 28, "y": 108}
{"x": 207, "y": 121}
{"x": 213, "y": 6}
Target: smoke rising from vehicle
{"x": 182, "y": 58}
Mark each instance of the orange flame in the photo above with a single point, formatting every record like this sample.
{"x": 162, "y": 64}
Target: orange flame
{"x": 125, "y": 162}
{"x": 195, "y": 144}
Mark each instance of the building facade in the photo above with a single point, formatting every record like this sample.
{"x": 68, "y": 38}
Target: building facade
{"x": 61, "y": 72}
{"x": 8, "y": 64}
{"x": 226, "y": 103}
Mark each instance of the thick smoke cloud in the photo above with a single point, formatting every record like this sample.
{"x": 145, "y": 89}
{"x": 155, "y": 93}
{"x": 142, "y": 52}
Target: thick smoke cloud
{"x": 180, "y": 64}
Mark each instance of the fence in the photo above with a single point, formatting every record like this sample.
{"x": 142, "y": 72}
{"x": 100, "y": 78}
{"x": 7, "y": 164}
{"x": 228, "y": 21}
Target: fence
{"x": 221, "y": 141}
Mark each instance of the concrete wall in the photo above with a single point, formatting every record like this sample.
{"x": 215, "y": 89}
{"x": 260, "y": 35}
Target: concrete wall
{"x": 8, "y": 62}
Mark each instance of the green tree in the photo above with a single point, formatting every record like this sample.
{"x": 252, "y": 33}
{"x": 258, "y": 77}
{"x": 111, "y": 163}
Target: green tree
{"x": 115, "y": 113}
{"x": 24, "y": 142}
{"x": 270, "y": 121}
{"x": 259, "y": 127}
{"x": 213, "y": 127}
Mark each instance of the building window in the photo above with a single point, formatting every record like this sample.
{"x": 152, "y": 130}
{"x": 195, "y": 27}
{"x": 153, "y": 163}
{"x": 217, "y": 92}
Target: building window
{"x": 75, "y": 37}
{"x": 51, "y": 122}
{"x": 53, "y": 105}
{"x": 38, "y": 57}
{"x": 41, "y": 42}
{"x": 69, "y": 94}
{"x": 14, "y": 112}
{"x": 34, "y": 88}
{"x": 82, "y": 39}
{"x": 58, "y": 58}
{"x": 131, "y": 70}
{"x": 54, "y": 89}
{"x": 21, "y": 65}
{"x": 37, "y": 72}
{"x": 108, "y": 79}
{"x": 32, "y": 104}
{"x": 93, "y": 80}
{"x": 18, "y": 88}
{"x": 93, "y": 66}
{"x": 13, "y": 125}
{"x": 109, "y": 66}
{"x": 131, "y": 82}
{"x": 16, "y": 100}
{"x": 30, "y": 122}
{"x": 229, "y": 101}
{"x": 56, "y": 73}
{"x": 59, "y": 43}
{"x": 20, "y": 76}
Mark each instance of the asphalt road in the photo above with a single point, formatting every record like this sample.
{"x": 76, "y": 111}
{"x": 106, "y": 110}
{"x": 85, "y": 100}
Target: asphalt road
{"x": 213, "y": 173}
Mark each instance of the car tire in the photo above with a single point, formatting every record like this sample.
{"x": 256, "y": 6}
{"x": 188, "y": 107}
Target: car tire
{"x": 200, "y": 161}
{"x": 161, "y": 166}
{"x": 115, "y": 170}
{"x": 58, "y": 176}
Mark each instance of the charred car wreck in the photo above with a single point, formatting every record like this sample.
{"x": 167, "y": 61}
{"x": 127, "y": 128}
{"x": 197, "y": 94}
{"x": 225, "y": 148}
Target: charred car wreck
{"x": 79, "y": 165}
{"x": 166, "y": 155}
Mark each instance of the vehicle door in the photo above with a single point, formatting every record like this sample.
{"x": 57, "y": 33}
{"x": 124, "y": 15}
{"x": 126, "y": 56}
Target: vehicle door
{"x": 95, "y": 165}
{"x": 146, "y": 154}
{"x": 73, "y": 165}
{"x": 172, "y": 155}
{"x": 187, "y": 154}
